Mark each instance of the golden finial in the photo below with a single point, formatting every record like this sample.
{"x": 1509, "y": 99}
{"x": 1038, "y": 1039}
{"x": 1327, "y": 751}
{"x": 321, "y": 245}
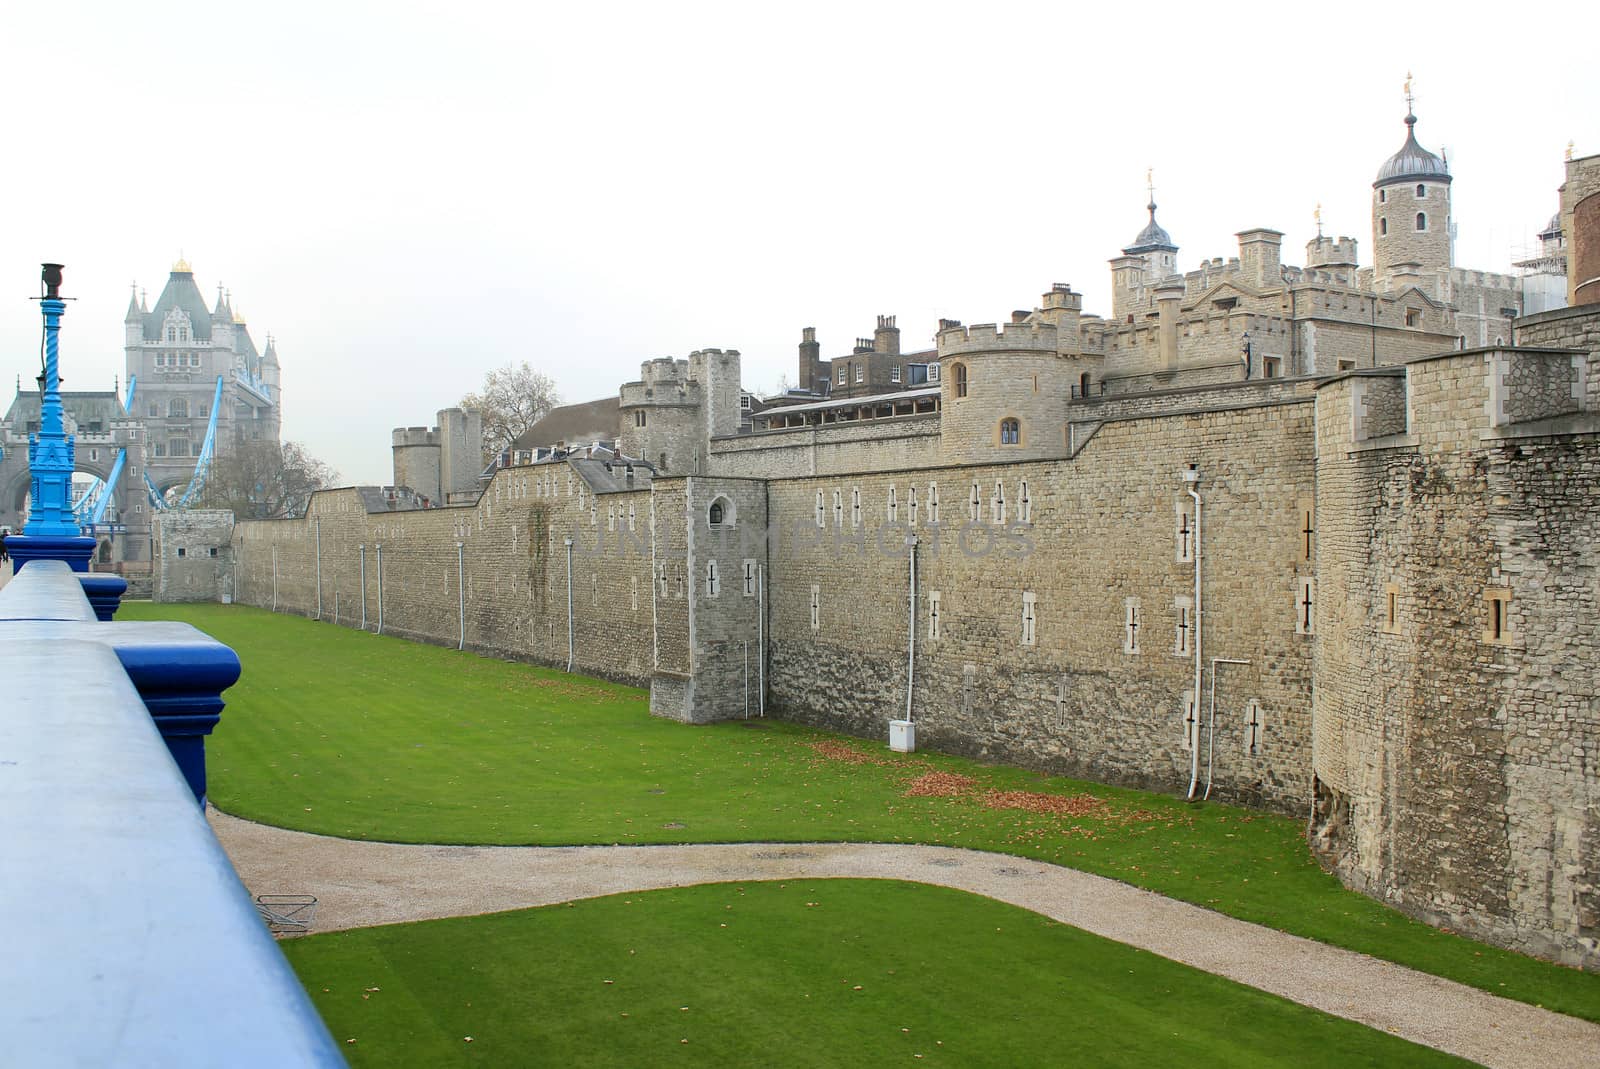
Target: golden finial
{"x": 1318, "y": 215}
{"x": 238, "y": 316}
{"x": 182, "y": 266}
{"x": 1569, "y": 150}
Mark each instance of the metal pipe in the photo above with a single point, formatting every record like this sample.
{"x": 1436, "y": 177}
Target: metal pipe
{"x": 317, "y": 522}
{"x": 274, "y": 577}
{"x": 761, "y": 640}
{"x": 911, "y": 629}
{"x": 747, "y": 679}
{"x": 363, "y": 548}
{"x": 380, "y": 587}
{"x": 461, "y": 594}
{"x": 1192, "y": 477}
{"x": 1211, "y": 732}
{"x": 569, "y": 604}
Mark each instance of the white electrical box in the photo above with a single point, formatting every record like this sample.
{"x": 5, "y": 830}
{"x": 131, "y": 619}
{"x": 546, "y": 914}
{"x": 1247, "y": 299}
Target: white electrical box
{"x": 902, "y": 736}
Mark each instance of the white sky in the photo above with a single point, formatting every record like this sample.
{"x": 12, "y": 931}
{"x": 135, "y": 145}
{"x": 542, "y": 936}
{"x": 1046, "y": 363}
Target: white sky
{"x": 406, "y": 195}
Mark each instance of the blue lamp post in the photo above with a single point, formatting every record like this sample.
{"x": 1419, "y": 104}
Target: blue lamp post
{"x": 51, "y": 532}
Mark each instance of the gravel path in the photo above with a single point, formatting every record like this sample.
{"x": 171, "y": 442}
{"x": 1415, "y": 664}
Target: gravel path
{"x": 358, "y": 884}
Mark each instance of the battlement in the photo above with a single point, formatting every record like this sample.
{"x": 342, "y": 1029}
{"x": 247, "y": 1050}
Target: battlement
{"x": 405, "y": 437}
{"x": 987, "y": 337}
{"x": 1061, "y": 296}
{"x": 1323, "y": 252}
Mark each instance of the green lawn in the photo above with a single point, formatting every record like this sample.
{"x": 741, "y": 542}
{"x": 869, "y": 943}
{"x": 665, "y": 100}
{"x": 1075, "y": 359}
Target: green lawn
{"x": 813, "y": 973}
{"x": 345, "y": 733}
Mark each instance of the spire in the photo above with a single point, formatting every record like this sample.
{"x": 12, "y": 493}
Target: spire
{"x": 1318, "y": 215}
{"x": 222, "y": 305}
{"x": 1412, "y": 161}
{"x": 134, "y": 311}
{"x": 1152, "y": 238}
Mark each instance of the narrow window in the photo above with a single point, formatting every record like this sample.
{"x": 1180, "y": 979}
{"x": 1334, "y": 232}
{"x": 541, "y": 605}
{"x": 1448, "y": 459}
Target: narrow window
{"x": 1304, "y": 605}
{"x": 1497, "y": 606}
{"x": 861, "y": 373}
{"x": 631, "y": 518}
{"x": 594, "y": 590}
{"x": 633, "y": 591}
{"x": 1422, "y": 220}
{"x": 749, "y": 578}
{"x": 961, "y": 380}
{"x": 594, "y": 514}
{"x": 998, "y": 503}
{"x": 1130, "y": 625}
{"x": 1010, "y": 432}
{"x": 714, "y": 517}
{"x": 1024, "y": 503}
{"x": 1413, "y": 317}
{"x": 1184, "y": 629}
{"x": 974, "y": 504}
{"x": 1028, "y": 618}
{"x": 822, "y": 520}
{"x": 838, "y": 509}
{"x": 1383, "y": 227}
{"x": 1254, "y": 725}
{"x": 843, "y": 371}
{"x": 1422, "y": 191}
{"x": 855, "y": 507}
{"x": 1183, "y": 534}
{"x": 1383, "y": 196}
{"x": 1391, "y": 608}
{"x": 816, "y": 607}
{"x": 1191, "y": 721}
{"x": 911, "y": 501}
{"x": 1307, "y": 531}
{"x": 611, "y": 518}
{"x": 711, "y": 579}
{"x": 933, "y": 613}
{"x": 933, "y": 503}
{"x": 677, "y": 581}
{"x": 1083, "y": 385}
{"x": 894, "y": 373}
{"x": 894, "y": 507}
{"x": 662, "y": 578}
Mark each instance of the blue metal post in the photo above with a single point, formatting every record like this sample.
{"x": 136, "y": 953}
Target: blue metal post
{"x": 51, "y": 532}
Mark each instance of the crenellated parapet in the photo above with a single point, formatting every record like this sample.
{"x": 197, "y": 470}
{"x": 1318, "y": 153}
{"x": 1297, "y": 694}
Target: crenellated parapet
{"x": 1031, "y": 336}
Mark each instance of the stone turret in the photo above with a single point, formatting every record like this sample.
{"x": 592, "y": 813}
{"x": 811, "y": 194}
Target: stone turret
{"x": 1331, "y": 254}
{"x": 1261, "y": 257}
{"x": 1410, "y": 213}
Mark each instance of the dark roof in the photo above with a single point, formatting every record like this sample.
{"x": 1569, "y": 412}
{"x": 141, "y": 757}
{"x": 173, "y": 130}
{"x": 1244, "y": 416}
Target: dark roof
{"x": 1412, "y": 161}
{"x": 577, "y": 424}
{"x": 84, "y": 406}
{"x": 180, "y": 292}
{"x": 603, "y": 481}
{"x": 1152, "y": 238}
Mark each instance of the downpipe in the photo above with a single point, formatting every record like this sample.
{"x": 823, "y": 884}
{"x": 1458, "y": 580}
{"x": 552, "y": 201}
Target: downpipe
{"x": 569, "y": 604}
{"x": 461, "y": 593}
{"x": 319, "y": 566}
{"x": 363, "y": 548}
{"x": 1211, "y": 731}
{"x": 380, "y": 587}
{"x": 1192, "y": 478}
{"x": 911, "y": 619}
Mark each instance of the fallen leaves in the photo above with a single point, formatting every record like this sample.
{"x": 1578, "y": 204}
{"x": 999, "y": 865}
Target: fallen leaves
{"x": 940, "y": 785}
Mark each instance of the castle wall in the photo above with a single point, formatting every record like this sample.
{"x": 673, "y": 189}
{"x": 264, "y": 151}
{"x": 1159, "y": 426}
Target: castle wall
{"x": 1455, "y": 728}
{"x": 830, "y": 448}
{"x": 1566, "y": 328}
{"x": 193, "y": 555}
{"x": 1104, "y": 529}
{"x": 513, "y": 562}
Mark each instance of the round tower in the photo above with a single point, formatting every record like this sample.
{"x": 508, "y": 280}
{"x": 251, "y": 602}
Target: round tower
{"x": 1411, "y": 209}
{"x": 1004, "y": 389}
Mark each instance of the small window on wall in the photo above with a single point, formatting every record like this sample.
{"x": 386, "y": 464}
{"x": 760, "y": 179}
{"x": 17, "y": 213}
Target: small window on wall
{"x": 1497, "y": 615}
{"x": 911, "y": 502}
{"x": 1305, "y": 589}
{"x": 998, "y": 503}
{"x": 855, "y": 507}
{"x": 720, "y": 513}
{"x": 844, "y": 371}
{"x": 1413, "y": 317}
{"x": 822, "y": 518}
{"x": 1422, "y": 191}
{"x": 894, "y": 373}
{"x": 933, "y": 503}
{"x": 861, "y": 373}
{"x": 816, "y": 607}
{"x": 1383, "y": 227}
{"x": 639, "y": 418}
{"x": 1010, "y": 432}
{"x": 838, "y": 509}
{"x": 712, "y": 582}
{"x": 1271, "y": 367}
{"x": 959, "y": 372}
{"x": 1391, "y": 608}
{"x": 934, "y": 608}
{"x": 1029, "y": 634}
{"x": 749, "y": 578}
{"x": 1422, "y": 220}
{"x": 892, "y": 513}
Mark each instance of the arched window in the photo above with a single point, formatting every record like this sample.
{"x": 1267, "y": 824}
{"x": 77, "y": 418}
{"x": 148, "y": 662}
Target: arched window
{"x": 720, "y": 514}
{"x": 1083, "y": 385}
{"x": 1422, "y": 191}
{"x": 961, "y": 380}
{"x": 1422, "y": 220}
{"x": 1383, "y": 196}
{"x": 178, "y": 408}
{"x": 1383, "y": 226}
{"x": 1010, "y": 432}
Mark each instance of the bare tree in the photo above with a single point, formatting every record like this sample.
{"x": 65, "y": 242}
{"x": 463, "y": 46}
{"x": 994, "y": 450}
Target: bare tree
{"x": 265, "y": 480}
{"x": 513, "y": 398}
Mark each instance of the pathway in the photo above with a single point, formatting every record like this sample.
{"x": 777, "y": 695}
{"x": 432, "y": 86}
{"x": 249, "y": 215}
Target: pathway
{"x": 363, "y": 883}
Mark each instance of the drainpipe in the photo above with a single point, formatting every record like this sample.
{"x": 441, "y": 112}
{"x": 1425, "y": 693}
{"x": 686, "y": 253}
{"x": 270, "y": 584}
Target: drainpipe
{"x": 569, "y": 604}
{"x": 1192, "y": 478}
{"x": 461, "y": 594}
{"x": 380, "y": 587}
{"x": 274, "y": 577}
{"x": 911, "y": 618}
{"x": 318, "y": 523}
{"x": 761, "y": 640}
{"x": 1211, "y": 734}
{"x": 363, "y": 548}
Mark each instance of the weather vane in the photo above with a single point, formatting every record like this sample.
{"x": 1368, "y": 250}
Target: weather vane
{"x": 1318, "y": 215}
{"x": 1408, "y": 91}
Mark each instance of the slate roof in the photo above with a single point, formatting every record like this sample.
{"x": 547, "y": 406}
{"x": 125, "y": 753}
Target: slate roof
{"x": 180, "y": 292}
{"x": 577, "y": 424}
{"x": 1412, "y": 161}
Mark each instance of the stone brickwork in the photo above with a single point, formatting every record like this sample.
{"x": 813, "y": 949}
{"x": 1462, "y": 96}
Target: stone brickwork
{"x": 830, "y": 448}
{"x": 1455, "y": 727}
{"x": 193, "y": 555}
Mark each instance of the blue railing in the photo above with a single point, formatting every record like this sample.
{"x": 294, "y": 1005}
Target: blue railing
{"x": 129, "y": 939}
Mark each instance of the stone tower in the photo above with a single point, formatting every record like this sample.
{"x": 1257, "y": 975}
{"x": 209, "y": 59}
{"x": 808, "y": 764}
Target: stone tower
{"x": 676, "y": 407}
{"x": 1150, "y": 258}
{"x": 1410, "y": 213}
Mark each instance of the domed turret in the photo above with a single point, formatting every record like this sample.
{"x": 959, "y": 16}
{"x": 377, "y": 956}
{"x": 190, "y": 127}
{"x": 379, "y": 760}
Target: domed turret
{"x": 1411, "y": 211}
{"x": 1154, "y": 245}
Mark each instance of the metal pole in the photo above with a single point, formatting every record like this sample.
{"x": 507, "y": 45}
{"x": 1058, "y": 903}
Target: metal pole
{"x": 363, "y": 548}
{"x": 317, "y": 520}
{"x": 1192, "y": 477}
{"x": 274, "y": 577}
{"x": 761, "y": 640}
{"x": 911, "y": 646}
{"x": 461, "y": 592}
{"x": 569, "y": 604}
{"x": 380, "y": 587}
{"x": 747, "y": 679}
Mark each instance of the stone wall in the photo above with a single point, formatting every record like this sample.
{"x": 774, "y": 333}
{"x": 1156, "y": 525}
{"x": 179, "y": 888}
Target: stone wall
{"x": 1566, "y": 328}
{"x": 1102, "y": 531}
{"x": 1456, "y": 731}
{"x": 193, "y": 555}
{"x": 830, "y": 448}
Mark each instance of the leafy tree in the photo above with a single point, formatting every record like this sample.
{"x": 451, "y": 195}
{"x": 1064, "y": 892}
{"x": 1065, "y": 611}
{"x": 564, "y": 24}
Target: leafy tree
{"x": 265, "y": 480}
{"x": 513, "y": 398}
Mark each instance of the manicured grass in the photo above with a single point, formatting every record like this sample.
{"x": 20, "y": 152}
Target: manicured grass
{"x": 345, "y": 733}
{"x": 812, "y": 972}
